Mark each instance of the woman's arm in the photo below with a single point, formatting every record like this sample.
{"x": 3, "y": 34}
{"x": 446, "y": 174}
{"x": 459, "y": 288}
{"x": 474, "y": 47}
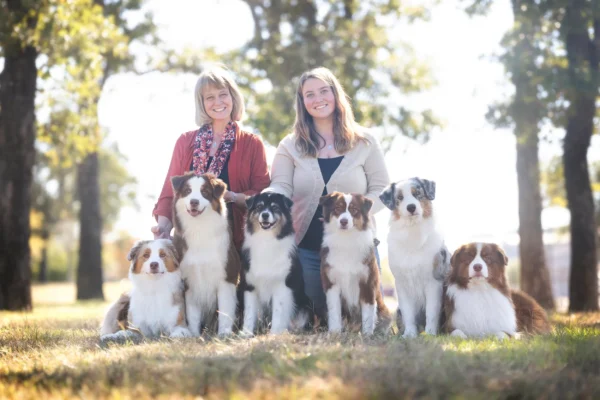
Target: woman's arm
{"x": 282, "y": 172}
{"x": 163, "y": 208}
{"x": 377, "y": 175}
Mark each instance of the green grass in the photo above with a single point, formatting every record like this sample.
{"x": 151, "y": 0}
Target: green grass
{"x": 54, "y": 352}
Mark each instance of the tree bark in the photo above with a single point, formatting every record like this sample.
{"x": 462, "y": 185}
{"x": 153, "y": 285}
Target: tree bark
{"x": 17, "y": 154}
{"x": 89, "y": 269}
{"x": 526, "y": 113}
{"x": 582, "y": 55}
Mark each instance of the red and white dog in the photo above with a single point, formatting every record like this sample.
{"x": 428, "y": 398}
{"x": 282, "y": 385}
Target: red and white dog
{"x": 348, "y": 266}
{"x": 479, "y": 302}
{"x": 210, "y": 264}
{"x": 155, "y": 305}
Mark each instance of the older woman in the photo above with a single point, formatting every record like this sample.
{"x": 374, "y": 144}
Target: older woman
{"x": 219, "y": 147}
{"x": 327, "y": 151}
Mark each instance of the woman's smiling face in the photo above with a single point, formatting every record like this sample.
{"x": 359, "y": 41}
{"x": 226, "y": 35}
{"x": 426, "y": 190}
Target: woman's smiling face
{"x": 318, "y": 97}
{"x": 217, "y": 102}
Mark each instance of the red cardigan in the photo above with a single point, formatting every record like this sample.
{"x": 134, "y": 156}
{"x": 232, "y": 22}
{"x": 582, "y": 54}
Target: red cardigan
{"x": 248, "y": 174}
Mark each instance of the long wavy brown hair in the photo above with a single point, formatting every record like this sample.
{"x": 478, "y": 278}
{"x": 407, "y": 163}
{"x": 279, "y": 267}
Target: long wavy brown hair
{"x": 345, "y": 129}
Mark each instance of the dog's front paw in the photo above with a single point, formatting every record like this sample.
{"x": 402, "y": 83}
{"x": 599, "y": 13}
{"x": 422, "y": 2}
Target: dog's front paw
{"x": 120, "y": 337}
{"x": 180, "y": 332}
{"x": 224, "y": 333}
{"x": 458, "y": 333}
{"x": 245, "y": 334}
{"x": 410, "y": 333}
{"x": 431, "y": 330}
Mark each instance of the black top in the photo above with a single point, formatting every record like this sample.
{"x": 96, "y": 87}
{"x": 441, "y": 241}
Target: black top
{"x": 314, "y": 235}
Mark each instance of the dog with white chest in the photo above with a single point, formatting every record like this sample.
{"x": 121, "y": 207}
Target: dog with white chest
{"x": 479, "y": 302}
{"x": 348, "y": 265}
{"x": 271, "y": 270}
{"x": 418, "y": 257}
{"x": 155, "y": 305}
{"x": 210, "y": 264}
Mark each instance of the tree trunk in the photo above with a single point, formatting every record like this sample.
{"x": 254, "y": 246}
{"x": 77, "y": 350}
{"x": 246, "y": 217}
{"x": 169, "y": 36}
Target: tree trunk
{"x": 535, "y": 277}
{"x": 17, "y": 154}
{"x": 89, "y": 269}
{"x": 582, "y": 54}
{"x": 526, "y": 112}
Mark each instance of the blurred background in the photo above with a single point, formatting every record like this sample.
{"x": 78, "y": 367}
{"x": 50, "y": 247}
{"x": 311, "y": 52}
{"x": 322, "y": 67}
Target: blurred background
{"x": 496, "y": 101}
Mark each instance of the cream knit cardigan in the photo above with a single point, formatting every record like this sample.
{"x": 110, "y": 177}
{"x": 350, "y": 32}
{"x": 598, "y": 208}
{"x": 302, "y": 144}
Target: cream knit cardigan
{"x": 299, "y": 177}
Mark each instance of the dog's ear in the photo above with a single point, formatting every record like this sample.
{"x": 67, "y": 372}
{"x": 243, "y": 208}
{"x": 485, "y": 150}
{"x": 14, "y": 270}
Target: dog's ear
{"x": 428, "y": 188}
{"x": 288, "y": 202}
{"x": 456, "y": 255}
{"x": 174, "y": 253}
{"x": 325, "y": 202}
{"x": 388, "y": 196}
{"x": 367, "y": 204}
{"x": 178, "y": 181}
{"x": 218, "y": 186}
{"x": 133, "y": 253}
{"x": 250, "y": 202}
{"x": 500, "y": 253}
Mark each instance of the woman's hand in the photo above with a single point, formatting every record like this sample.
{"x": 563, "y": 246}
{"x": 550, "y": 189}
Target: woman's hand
{"x": 238, "y": 199}
{"x": 163, "y": 229}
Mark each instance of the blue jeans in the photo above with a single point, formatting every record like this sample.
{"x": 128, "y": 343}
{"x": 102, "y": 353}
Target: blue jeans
{"x": 311, "y": 271}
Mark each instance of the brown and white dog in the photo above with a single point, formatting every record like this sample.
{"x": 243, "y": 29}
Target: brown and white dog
{"x": 478, "y": 301}
{"x": 155, "y": 305}
{"x": 348, "y": 266}
{"x": 210, "y": 264}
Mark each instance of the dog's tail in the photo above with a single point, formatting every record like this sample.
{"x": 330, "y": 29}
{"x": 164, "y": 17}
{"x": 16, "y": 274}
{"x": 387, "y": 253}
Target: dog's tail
{"x": 115, "y": 318}
{"x": 384, "y": 317}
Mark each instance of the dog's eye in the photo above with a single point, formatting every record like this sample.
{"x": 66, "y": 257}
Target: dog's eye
{"x": 400, "y": 197}
{"x": 187, "y": 191}
{"x": 353, "y": 211}
{"x": 146, "y": 255}
{"x": 205, "y": 193}
{"x": 274, "y": 207}
{"x": 162, "y": 255}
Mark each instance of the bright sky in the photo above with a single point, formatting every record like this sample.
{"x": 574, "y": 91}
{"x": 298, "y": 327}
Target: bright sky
{"x": 472, "y": 164}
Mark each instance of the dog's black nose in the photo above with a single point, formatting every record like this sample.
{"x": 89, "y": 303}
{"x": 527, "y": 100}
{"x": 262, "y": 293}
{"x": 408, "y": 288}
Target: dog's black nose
{"x": 344, "y": 222}
{"x": 477, "y": 267}
{"x": 265, "y": 215}
{"x": 411, "y": 208}
{"x": 194, "y": 203}
{"x": 153, "y": 265}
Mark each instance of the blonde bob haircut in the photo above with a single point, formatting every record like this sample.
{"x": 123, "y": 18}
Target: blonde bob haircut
{"x": 219, "y": 78}
{"x": 345, "y": 129}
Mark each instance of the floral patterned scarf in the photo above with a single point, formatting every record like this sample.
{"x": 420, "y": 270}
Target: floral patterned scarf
{"x": 202, "y": 145}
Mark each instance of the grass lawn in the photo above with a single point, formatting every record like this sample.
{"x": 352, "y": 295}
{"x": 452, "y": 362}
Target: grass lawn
{"x": 53, "y": 352}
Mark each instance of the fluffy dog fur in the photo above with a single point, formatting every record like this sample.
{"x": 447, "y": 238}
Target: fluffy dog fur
{"x": 272, "y": 274}
{"x": 418, "y": 257}
{"x": 155, "y": 305}
{"x": 348, "y": 266}
{"x": 479, "y": 302}
{"x": 210, "y": 264}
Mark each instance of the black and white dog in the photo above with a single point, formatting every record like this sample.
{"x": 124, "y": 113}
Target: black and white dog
{"x": 272, "y": 274}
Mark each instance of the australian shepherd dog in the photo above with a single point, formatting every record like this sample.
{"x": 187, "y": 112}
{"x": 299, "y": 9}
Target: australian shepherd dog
{"x": 418, "y": 256}
{"x": 349, "y": 269}
{"x": 479, "y": 302}
{"x": 272, "y": 280}
{"x": 210, "y": 264}
{"x": 155, "y": 305}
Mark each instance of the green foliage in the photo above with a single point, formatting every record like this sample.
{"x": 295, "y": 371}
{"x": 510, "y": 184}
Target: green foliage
{"x": 348, "y": 37}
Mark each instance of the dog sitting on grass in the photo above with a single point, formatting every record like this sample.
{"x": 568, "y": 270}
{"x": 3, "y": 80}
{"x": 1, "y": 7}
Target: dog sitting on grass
{"x": 155, "y": 305}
